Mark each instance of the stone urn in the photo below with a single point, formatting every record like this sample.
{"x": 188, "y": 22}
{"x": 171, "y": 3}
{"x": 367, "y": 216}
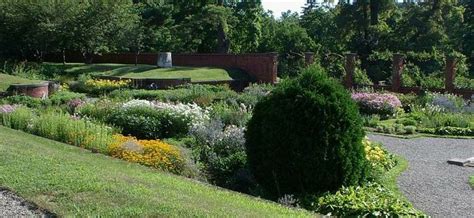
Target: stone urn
{"x": 164, "y": 60}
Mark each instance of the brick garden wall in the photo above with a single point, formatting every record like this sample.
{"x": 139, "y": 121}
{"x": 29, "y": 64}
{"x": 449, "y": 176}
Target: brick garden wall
{"x": 262, "y": 66}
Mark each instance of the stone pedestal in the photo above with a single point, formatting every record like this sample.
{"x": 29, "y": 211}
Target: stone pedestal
{"x": 164, "y": 60}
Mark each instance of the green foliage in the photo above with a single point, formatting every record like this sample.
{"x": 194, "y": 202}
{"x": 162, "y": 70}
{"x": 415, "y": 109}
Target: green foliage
{"x": 60, "y": 127}
{"x": 471, "y": 181}
{"x": 306, "y": 137}
{"x": 18, "y": 119}
{"x": 148, "y": 123}
{"x": 63, "y": 97}
{"x": 372, "y": 200}
{"x": 26, "y": 101}
{"x": 220, "y": 150}
{"x": 454, "y": 131}
{"x": 290, "y": 40}
{"x": 230, "y": 114}
{"x": 100, "y": 110}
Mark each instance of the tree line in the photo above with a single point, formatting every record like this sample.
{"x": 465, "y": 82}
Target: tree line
{"x": 426, "y": 31}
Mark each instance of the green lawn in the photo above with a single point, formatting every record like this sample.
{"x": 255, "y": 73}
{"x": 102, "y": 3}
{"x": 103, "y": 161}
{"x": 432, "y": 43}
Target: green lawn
{"x": 197, "y": 74}
{"x": 6, "y": 80}
{"x": 71, "y": 181}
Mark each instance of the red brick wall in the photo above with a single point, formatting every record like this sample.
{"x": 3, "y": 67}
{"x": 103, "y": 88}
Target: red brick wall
{"x": 261, "y": 66}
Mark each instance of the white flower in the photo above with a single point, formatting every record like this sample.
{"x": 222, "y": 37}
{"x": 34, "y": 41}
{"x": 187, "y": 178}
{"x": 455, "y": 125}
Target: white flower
{"x": 137, "y": 103}
{"x": 191, "y": 111}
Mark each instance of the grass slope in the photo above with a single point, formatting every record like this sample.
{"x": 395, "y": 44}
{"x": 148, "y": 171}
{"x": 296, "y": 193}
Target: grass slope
{"x": 68, "y": 180}
{"x": 6, "y": 80}
{"x": 197, "y": 74}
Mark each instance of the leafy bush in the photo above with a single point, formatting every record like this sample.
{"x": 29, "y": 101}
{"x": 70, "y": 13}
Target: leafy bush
{"x": 230, "y": 114}
{"x": 377, "y": 103}
{"x": 26, "y": 101}
{"x": 454, "y": 131}
{"x": 425, "y": 130}
{"x": 410, "y": 129}
{"x": 385, "y": 129}
{"x": 148, "y": 123}
{"x": 63, "y": 97}
{"x": 464, "y": 82}
{"x": 221, "y": 151}
{"x": 154, "y": 153}
{"x": 306, "y": 137}
{"x": 203, "y": 95}
{"x": 73, "y": 104}
{"x": 448, "y": 102}
{"x": 372, "y": 200}
{"x": 442, "y": 119}
{"x": 100, "y": 110}
{"x": 254, "y": 93}
{"x": 371, "y": 121}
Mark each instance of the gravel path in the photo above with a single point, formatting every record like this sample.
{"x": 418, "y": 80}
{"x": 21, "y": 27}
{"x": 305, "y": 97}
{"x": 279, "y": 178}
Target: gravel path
{"x": 432, "y": 185}
{"x": 13, "y": 206}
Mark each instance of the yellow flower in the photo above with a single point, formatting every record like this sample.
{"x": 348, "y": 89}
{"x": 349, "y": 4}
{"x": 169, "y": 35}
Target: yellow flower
{"x": 154, "y": 153}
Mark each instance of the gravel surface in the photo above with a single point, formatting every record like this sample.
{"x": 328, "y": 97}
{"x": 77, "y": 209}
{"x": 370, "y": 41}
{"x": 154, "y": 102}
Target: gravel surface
{"x": 430, "y": 183}
{"x": 13, "y": 206}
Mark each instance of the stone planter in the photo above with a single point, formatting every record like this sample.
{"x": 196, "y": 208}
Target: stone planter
{"x": 39, "y": 90}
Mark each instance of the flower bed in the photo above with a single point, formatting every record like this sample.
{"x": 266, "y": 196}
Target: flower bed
{"x": 153, "y": 153}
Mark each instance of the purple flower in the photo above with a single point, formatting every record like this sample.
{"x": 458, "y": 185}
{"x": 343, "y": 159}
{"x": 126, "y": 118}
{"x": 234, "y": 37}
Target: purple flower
{"x": 6, "y": 108}
{"x": 73, "y": 104}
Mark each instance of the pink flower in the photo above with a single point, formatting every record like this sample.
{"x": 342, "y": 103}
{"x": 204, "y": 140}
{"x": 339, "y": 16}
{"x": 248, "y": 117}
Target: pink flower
{"x": 377, "y": 103}
{"x": 7, "y": 108}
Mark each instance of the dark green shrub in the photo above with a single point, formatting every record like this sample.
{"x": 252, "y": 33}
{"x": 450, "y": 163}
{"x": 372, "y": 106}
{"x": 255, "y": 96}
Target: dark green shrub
{"x": 306, "y": 137}
{"x": 149, "y": 123}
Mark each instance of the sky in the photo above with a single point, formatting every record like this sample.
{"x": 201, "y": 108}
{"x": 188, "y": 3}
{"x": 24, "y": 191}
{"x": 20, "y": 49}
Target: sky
{"x": 279, "y": 6}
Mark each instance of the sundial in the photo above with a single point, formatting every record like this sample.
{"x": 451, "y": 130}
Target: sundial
{"x": 469, "y": 162}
